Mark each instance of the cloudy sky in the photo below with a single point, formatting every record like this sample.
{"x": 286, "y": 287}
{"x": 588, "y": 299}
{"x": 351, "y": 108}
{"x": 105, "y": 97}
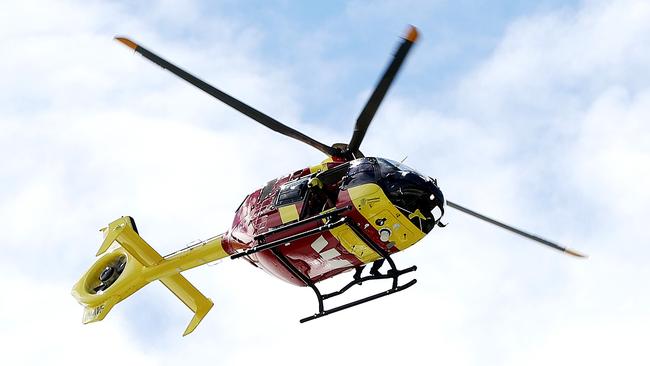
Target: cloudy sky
{"x": 533, "y": 112}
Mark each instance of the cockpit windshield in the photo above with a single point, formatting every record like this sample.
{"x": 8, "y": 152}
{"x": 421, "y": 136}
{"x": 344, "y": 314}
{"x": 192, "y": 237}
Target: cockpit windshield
{"x": 416, "y": 195}
{"x": 361, "y": 171}
{"x": 387, "y": 166}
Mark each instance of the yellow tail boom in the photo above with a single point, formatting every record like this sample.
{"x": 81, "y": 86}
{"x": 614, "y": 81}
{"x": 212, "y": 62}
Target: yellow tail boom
{"x": 101, "y": 287}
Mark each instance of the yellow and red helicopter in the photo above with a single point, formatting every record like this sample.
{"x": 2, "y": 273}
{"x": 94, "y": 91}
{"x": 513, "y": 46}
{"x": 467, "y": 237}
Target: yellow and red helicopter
{"x": 303, "y": 227}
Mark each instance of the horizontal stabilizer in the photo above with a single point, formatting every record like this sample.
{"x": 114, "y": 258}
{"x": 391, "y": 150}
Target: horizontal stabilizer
{"x": 191, "y": 297}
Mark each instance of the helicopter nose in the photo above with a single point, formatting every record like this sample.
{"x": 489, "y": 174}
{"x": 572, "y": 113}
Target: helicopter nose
{"x": 417, "y": 196}
{"x": 430, "y": 203}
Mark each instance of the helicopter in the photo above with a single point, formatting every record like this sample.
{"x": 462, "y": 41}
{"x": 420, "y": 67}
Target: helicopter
{"x": 304, "y": 227}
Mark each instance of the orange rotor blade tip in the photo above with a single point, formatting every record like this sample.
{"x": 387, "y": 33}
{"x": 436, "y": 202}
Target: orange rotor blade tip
{"x": 575, "y": 253}
{"x": 411, "y": 34}
{"x": 129, "y": 43}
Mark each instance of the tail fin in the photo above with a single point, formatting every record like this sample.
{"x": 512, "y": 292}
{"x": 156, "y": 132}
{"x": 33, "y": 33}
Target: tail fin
{"x": 133, "y": 263}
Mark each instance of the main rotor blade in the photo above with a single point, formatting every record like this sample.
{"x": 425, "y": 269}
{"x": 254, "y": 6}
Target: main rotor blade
{"x": 227, "y": 99}
{"x": 368, "y": 112}
{"x": 516, "y": 231}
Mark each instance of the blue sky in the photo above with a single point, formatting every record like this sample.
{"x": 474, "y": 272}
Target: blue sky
{"x": 532, "y": 112}
{"x": 298, "y": 35}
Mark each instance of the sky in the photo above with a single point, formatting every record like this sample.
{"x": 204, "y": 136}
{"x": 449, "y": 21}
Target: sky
{"x": 531, "y": 112}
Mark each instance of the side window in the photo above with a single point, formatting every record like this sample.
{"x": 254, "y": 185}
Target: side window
{"x": 267, "y": 189}
{"x": 292, "y": 192}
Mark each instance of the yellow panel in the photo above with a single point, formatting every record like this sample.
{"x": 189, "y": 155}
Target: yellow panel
{"x": 320, "y": 167}
{"x": 354, "y": 245}
{"x": 191, "y": 297}
{"x": 144, "y": 265}
{"x": 373, "y": 204}
{"x": 288, "y": 213}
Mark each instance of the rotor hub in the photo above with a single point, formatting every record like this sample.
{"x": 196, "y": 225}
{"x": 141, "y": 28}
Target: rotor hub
{"x": 106, "y": 274}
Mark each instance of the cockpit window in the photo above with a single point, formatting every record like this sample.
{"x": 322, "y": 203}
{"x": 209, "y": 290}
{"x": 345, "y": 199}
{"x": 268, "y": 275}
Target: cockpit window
{"x": 267, "y": 189}
{"x": 292, "y": 192}
{"x": 360, "y": 172}
{"x": 388, "y": 166}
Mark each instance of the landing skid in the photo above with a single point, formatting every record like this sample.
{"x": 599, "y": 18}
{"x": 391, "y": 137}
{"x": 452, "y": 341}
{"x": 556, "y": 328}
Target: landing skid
{"x": 333, "y": 220}
{"x": 394, "y": 274}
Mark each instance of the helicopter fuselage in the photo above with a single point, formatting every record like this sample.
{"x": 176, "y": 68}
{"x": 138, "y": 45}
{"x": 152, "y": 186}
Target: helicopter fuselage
{"x": 373, "y": 202}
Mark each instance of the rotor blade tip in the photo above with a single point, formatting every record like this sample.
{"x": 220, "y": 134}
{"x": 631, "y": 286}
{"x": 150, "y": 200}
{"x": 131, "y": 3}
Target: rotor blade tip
{"x": 411, "y": 34}
{"x": 129, "y": 43}
{"x": 575, "y": 253}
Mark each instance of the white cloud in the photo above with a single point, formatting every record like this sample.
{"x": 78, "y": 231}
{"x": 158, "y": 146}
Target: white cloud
{"x": 549, "y": 133}
{"x": 41, "y": 324}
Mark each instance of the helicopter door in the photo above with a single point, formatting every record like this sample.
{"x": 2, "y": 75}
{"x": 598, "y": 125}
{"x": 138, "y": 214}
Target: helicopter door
{"x": 324, "y": 190}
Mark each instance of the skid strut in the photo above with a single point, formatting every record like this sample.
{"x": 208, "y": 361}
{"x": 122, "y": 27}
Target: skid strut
{"x": 392, "y": 273}
{"x": 321, "y": 313}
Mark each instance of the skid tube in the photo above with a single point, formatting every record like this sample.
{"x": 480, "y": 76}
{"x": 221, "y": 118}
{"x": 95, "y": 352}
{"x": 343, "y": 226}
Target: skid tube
{"x": 393, "y": 273}
{"x": 390, "y": 291}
